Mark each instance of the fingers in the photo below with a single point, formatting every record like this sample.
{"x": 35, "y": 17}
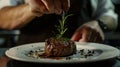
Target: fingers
{"x": 37, "y": 7}
{"x": 87, "y": 34}
{"x": 49, "y": 4}
{"x": 94, "y": 36}
{"x": 76, "y": 36}
{"x": 42, "y": 7}
{"x": 98, "y": 38}
{"x": 57, "y": 6}
{"x": 91, "y": 35}
{"x": 65, "y": 5}
{"x": 53, "y": 6}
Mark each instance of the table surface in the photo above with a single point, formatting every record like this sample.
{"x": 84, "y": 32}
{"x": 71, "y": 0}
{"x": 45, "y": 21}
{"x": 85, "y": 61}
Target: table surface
{"x": 7, "y": 62}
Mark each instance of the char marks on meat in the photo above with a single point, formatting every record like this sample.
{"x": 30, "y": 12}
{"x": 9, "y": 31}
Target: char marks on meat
{"x": 59, "y": 47}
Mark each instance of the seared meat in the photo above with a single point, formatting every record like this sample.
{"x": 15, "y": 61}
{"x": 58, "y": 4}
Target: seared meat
{"x": 59, "y": 47}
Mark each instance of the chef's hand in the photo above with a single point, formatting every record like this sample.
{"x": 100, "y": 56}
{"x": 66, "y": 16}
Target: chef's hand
{"x": 89, "y": 32}
{"x": 40, "y": 7}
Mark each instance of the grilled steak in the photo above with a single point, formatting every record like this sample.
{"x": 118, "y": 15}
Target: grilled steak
{"x": 59, "y": 47}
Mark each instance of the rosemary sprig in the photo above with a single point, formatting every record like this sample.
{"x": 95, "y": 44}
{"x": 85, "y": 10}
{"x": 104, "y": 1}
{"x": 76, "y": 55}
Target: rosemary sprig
{"x": 62, "y": 27}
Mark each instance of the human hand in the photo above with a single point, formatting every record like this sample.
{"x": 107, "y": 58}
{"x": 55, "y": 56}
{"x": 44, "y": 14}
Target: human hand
{"x": 40, "y": 7}
{"x": 89, "y": 32}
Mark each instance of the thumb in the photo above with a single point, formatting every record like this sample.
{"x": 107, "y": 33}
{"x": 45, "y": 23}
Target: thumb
{"x": 76, "y": 36}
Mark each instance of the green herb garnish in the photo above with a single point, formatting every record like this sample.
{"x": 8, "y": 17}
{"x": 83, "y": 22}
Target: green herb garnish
{"x": 62, "y": 27}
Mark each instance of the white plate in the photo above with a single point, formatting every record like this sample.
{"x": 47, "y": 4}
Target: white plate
{"x": 101, "y": 52}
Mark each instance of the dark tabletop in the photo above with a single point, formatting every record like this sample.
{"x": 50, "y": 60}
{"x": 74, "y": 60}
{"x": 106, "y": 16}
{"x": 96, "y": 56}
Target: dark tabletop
{"x": 105, "y": 63}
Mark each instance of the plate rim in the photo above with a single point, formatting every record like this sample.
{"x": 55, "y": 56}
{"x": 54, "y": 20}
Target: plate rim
{"x": 57, "y": 61}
